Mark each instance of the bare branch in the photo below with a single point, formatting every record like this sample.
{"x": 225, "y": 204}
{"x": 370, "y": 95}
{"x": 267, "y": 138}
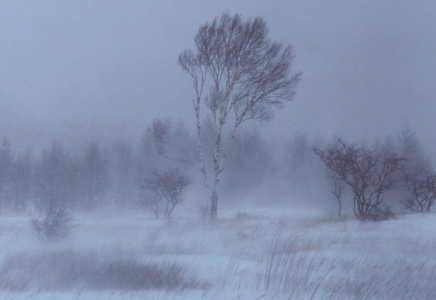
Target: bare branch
{"x": 249, "y": 76}
{"x": 169, "y": 185}
{"x": 369, "y": 174}
{"x": 422, "y": 192}
{"x": 159, "y": 131}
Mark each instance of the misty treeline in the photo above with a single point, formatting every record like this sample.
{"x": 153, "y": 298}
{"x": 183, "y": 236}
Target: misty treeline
{"x": 124, "y": 174}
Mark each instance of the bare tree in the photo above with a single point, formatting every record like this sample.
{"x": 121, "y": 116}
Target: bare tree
{"x": 151, "y": 200}
{"x": 51, "y": 176}
{"x": 122, "y": 172}
{"x": 369, "y": 174}
{"x": 249, "y": 163}
{"x": 95, "y": 173}
{"x": 22, "y": 183}
{"x": 418, "y": 180}
{"x": 6, "y": 174}
{"x": 240, "y": 75}
{"x": 169, "y": 185}
{"x": 416, "y": 163}
{"x": 337, "y": 189}
{"x": 421, "y": 192}
{"x": 299, "y": 166}
{"x": 171, "y": 142}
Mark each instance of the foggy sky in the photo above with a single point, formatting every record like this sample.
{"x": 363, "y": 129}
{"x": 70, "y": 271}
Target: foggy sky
{"x": 76, "y": 69}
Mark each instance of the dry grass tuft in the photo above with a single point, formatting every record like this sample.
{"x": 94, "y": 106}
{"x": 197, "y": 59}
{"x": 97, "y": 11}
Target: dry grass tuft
{"x": 66, "y": 269}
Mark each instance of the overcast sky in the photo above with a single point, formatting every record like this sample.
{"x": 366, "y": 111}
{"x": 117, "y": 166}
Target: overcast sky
{"x": 76, "y": 69}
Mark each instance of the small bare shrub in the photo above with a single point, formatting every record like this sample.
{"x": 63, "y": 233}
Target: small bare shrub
{"x": 54, "y": 224}
{"x": 169, "y": 185}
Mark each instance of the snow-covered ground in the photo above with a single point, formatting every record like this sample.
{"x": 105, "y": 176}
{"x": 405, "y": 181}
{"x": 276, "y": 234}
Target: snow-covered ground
{"x": 247, "y": 254}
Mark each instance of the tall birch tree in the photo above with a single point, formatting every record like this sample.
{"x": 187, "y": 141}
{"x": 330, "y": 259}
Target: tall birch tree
{"x": 239, "y": 74}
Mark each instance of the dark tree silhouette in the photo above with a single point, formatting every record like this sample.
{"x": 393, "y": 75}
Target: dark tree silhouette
{"x": 369, "y": 174}
{"x": 421, "y": 192}
{"x": 169, "y": 185}
{"x": 240, "y": 75}
{"x": 408, "y": 145}
{"x": 249, "y": 163}
{"x": 22, "y": 183}
{"x": 122, "y": 172}
{"x": 6, "y": 174}
{"x": 94, "y": 173}
{"x": 337, "y": 189}
{"x": 52, "y": 177}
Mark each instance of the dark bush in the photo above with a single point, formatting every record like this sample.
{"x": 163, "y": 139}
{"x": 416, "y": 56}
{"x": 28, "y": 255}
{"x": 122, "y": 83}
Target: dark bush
{"x": 54, "y": 224}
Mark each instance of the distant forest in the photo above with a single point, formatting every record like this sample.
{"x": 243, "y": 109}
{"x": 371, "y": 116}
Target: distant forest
{"x": 115, "y": 174}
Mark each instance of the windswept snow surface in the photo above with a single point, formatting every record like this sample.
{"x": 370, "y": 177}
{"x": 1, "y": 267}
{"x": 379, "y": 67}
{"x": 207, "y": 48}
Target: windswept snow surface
{"x": 247, "y": 254}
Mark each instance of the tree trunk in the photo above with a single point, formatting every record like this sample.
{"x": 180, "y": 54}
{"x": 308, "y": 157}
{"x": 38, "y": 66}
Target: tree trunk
{"x": 171, "y": 210}
{"x": 214, "y": 205}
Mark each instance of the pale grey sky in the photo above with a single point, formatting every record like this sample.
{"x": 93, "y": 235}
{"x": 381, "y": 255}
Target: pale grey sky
{"x": 107, "y": 68}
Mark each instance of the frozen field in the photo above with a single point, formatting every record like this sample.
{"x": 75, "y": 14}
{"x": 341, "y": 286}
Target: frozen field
{"x": 251, "y": 254}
